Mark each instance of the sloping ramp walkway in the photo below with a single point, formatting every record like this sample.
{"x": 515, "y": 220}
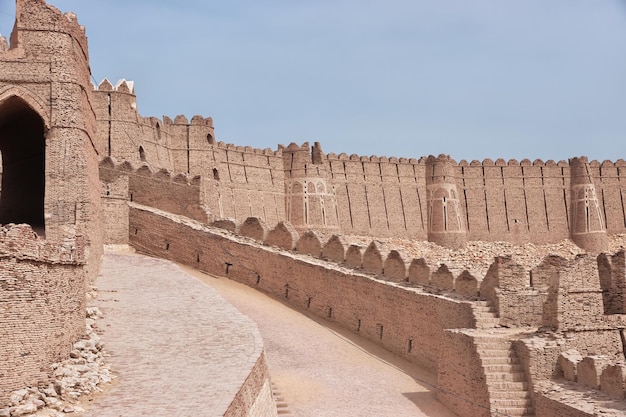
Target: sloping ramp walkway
{"x": 324, "y": 371}
{"x": 178, "y": 348}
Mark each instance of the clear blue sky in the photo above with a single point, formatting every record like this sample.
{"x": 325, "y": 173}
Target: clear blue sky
{"x": 473, "y": 79}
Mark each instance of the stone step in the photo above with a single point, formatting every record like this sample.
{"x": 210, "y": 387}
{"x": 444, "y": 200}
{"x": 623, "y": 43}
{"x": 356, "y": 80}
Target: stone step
{"x": 487, "y": 308}
{"x": 503, "y": 368}
{"x": 495, "y": 353}
{"x": 511, "y": 360}
{"x": 505, "y": 376}
{"x": 499, "y": 345}
{"x": 507, "y": 386}
{"x": 492, "y": 321}
{"x": 513, "y": 411}
{"x": 486, "y": 316}
{"x": 482, "y": 303}
{"x": 511, "y": 403}
{"x": 481, "y": 340}
{"x": 509, "y": 394}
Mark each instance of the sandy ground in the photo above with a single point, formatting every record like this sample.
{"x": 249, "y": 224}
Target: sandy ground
{"x": 322, "y": 370}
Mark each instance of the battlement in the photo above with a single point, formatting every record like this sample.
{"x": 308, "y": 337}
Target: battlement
{"x": 116, "y": 168}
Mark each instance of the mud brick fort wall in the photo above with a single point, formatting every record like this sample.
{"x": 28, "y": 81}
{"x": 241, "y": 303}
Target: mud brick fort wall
{"x": 81, "y": 167}
{"x": 50, "y": 181}
{"x": 433, "y": 198}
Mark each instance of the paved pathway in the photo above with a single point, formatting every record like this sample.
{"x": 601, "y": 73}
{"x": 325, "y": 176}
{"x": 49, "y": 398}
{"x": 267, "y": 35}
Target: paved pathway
{"x": 177, "y": 347}
{"x": 323, "y": 371}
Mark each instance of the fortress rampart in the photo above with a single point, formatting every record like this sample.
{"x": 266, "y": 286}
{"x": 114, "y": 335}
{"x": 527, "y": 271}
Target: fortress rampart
{"x": 430, "y": 198}
{"x": 426, "y": 314}
{"x": 77, "y": 159}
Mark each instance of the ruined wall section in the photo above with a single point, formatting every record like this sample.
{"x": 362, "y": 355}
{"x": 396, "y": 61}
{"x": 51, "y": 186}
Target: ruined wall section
{"x": 383, "y": 197}
{"x": 42, "y": 299}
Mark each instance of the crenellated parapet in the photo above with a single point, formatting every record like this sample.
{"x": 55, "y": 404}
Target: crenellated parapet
{"x": 122, "y": 182}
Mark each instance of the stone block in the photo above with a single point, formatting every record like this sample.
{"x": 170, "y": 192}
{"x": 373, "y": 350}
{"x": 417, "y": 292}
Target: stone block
{"x": 354, "y": 257}
{"x": 589, "y": 370}
{"x": 335, "y": 249}
{"x": 283, "y": 236}
{"x": 232, "y": 225}
{"x": 568, "y": 362}
{"x": 613, "y": 381}
{"x": 466, "y": 284}
{"x": 310, "y": 244}
{"x": 442, "y": 278}
{"x": 254, "y": 228}
{"x": 395, "y": 267}
{"x": 373, "y": 259}
{"x": 419, "y": 272}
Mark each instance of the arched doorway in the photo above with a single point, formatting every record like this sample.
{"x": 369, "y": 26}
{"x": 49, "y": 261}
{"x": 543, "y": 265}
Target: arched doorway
{"x": 22, "y": 144}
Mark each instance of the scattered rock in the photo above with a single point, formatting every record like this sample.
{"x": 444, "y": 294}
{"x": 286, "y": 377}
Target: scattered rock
{"x": 82, "y": 373}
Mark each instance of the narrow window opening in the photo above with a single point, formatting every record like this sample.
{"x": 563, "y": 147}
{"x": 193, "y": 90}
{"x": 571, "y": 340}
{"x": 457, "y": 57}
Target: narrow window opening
{"x": 210, "y": 139}
{"x": 287, "y": 292}
{"x": 216, "y": 174}
{"x": 136, "y": 231}
{"x": 131, "y": 196}
{"x": 410, "y": 346}
{"x": 308, "y": 303}
{"x": 142, "y": 154}
{"x": 358, "y": 325}
{"x": 167, "y": 246}
{"x": 198, "y": 257}
{"x": 228, "y": 267}
{"x": 258, "y": 279}
{"x": 330, "y": 312}
{"x": 379, "y": 328}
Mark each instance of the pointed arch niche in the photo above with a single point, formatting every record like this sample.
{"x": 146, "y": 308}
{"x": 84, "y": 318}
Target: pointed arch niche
{"x": 22, "y": 145}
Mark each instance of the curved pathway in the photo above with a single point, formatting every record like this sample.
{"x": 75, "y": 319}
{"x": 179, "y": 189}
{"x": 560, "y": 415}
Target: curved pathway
{"x": 324, "y": 371}
{"x": 177, "y": 347}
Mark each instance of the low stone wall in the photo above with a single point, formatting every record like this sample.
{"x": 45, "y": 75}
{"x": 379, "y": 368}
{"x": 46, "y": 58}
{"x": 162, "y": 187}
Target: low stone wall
{"x": 255, "y": 398}
{"x": 42, "y": 306}
{"x": 406, "y": 321}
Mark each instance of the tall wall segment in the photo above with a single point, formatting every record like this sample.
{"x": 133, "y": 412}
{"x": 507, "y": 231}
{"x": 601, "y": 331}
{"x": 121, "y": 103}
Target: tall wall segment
{"x": 490, "y": 200}
{"x": 50, "y": 189}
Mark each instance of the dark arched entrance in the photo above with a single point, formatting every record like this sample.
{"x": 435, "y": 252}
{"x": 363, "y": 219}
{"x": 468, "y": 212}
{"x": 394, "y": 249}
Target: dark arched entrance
{"x": 23, "y": 164}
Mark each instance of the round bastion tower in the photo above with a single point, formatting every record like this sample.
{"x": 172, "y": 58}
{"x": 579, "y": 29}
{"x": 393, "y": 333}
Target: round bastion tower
{"x": 310, "y": 199}
{"x": 588, "y": 228}
{"x": 445, "y": 221}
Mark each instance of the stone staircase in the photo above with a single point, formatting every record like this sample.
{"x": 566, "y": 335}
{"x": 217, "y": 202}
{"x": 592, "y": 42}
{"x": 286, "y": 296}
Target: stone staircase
{"x": 485, "y": 315}
{"x": 504, "y": 374}
{"x": 282, "y": 408}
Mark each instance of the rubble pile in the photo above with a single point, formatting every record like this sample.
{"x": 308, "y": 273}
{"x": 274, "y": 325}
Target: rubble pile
{"x": 81, "y": 374}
